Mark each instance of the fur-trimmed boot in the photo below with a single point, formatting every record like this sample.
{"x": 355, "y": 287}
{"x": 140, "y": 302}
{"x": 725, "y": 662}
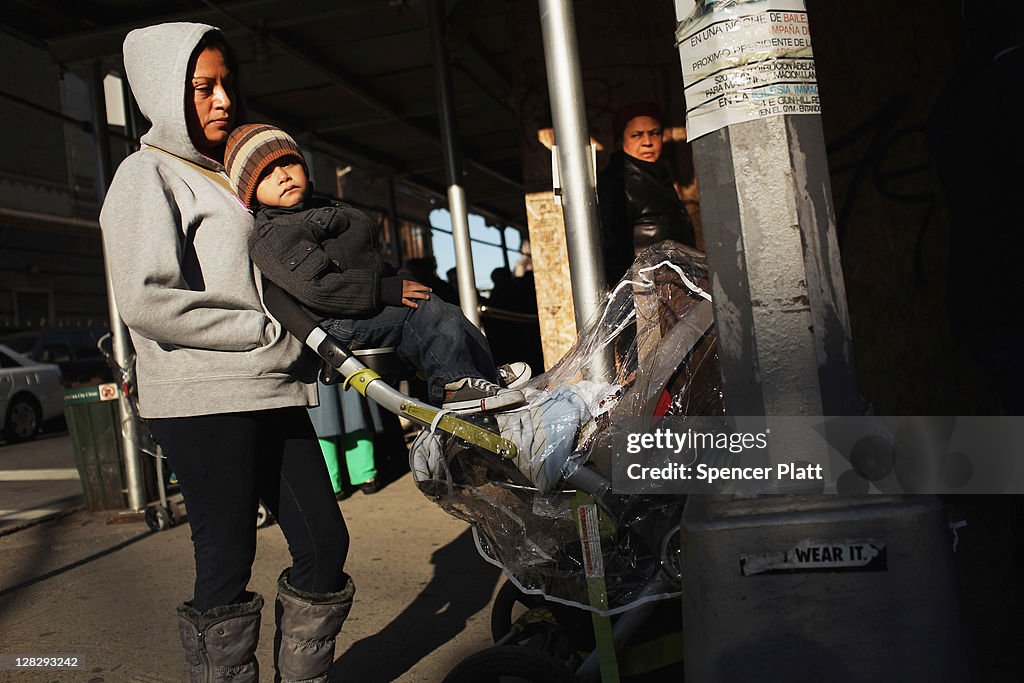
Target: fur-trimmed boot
{"x": 306, "y": 626}
{"x": 220, "y": 644}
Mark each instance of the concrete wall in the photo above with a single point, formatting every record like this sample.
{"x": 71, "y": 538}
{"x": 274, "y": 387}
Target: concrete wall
{"x": 29, "y": 75}
{"x": 50, "y": 275}
{"x": 881, "y": 66}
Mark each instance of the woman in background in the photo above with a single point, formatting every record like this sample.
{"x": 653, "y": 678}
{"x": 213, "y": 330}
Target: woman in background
{"x": 636, "y": 196}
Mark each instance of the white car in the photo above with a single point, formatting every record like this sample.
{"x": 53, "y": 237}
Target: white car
{"x": 30, "y": 393}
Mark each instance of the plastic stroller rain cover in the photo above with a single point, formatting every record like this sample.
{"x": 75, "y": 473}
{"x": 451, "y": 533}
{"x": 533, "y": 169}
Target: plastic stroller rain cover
{"x": 547, "y": 515}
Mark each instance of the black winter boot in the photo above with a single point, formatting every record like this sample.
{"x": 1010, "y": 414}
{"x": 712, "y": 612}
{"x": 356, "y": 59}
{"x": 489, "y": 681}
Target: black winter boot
{"x": 306, "y": 626}
{"x": 220, "y": 644}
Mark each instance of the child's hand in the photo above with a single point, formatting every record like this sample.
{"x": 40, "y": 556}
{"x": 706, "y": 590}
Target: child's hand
{"x": 412, "y": 290}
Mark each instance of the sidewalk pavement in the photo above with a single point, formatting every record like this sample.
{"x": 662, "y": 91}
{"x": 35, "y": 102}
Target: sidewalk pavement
{"x": 37, "y": 480}
{"x": 106, "y": 593}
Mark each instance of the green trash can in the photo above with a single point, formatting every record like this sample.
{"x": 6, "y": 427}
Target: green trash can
{"x": 93, "y": 421}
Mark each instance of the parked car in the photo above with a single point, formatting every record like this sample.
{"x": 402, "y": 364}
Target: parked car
{"x": 73, "y": 349}
{"x": 30, "y": 394}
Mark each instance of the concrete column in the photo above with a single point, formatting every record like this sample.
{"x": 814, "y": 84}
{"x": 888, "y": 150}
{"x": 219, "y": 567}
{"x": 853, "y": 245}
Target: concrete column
{"x": 785, "y": 349}
{"x": 777, "y": 282}
{"x": 555, "y": 312}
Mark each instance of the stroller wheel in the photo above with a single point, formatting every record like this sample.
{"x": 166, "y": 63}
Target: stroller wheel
{"x": 159, "y": 518}
{"x": 263, "y": 516}
{"x": 672, "y": 554}
{"x": 509, "y": 605}
{"x": 502, "y": 662}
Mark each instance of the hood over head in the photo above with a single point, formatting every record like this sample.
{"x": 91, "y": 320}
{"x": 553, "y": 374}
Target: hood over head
{"x": 156, "y": 60}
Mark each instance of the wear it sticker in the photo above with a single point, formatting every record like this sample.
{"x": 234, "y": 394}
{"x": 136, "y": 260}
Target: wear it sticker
{"x": 818, "y": 556}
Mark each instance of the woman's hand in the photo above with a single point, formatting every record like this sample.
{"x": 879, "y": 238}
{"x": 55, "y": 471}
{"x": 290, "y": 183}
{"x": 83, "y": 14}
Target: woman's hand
{"x": 412, "y": 290}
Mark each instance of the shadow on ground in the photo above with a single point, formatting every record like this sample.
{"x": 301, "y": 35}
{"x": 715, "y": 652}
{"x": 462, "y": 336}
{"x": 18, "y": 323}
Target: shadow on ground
{"x": 461, "y": 586}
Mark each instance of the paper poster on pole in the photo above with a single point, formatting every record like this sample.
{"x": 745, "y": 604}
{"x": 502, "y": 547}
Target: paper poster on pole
{"x": 744, "y": 60}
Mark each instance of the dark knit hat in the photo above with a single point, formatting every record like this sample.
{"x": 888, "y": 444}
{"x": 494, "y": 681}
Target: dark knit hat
{"x": 248, "y": 152}
{"x": 630, "y": 112}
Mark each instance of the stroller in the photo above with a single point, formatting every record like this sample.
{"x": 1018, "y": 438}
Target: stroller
{"x": 536, "y": 483}
{"x": 576, "y": 550}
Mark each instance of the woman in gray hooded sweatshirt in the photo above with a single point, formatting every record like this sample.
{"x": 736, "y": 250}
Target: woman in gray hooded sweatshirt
{"x": 222, "y": 386}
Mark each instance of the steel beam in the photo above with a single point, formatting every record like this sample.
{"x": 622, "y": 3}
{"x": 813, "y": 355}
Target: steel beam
{"x": 106, "y": 42}
{"x": 384, "y": 167}
{"x": 347, "y": 82}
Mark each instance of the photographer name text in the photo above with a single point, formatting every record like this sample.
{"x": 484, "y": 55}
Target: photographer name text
{"x": 783, "y": 471}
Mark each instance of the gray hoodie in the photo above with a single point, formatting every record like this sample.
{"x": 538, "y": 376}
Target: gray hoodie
{"x": 176, "y": 248}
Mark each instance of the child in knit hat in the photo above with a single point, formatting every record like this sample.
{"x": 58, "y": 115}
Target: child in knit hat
{"x": 325, "y": 254}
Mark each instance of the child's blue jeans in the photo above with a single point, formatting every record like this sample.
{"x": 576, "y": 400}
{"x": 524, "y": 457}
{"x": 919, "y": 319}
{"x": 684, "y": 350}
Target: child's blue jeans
{"x": 435, "y": 337}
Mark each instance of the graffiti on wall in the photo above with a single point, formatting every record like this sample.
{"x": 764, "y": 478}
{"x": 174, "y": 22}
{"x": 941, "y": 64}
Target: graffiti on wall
{"x": 888, "y": 154}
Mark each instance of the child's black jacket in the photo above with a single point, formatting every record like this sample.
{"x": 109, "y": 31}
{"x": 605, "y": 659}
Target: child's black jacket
{"x": 326, "y": 255}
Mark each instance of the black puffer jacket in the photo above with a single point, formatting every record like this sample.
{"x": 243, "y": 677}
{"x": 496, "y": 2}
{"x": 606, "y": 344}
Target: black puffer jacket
{"x": 326, "y": 255}
{"x": 639, "y": 207}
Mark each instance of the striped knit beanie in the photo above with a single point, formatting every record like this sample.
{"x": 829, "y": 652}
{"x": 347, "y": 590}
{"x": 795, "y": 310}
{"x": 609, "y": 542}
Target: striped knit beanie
{"x": 248, "y": 152}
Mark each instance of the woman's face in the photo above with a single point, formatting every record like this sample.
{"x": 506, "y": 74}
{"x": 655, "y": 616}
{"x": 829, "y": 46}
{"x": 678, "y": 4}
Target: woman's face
{"x": 642, "y": 138}
{"x": 210, "y": 101}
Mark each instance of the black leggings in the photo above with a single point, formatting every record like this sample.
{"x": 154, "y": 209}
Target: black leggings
{"x": 225, "y": 464}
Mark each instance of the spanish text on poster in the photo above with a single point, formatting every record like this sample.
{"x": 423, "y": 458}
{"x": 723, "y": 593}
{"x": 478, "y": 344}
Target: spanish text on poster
{"x": 744, "y": 60}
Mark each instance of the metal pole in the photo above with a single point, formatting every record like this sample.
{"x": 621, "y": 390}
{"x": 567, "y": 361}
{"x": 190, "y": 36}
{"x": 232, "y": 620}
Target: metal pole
{"x": 122, "y": 345}
{"x": 453, "y": 165}
{"x": 579, "y": 207}
{"x": 394, "y": 223}
{"x": 504, "y": 246}
{"x": 575, "y": 165}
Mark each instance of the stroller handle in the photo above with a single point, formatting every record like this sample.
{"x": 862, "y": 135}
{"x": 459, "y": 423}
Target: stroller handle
{"x": 301, "y": 324}
{"x": 368, "y": 383}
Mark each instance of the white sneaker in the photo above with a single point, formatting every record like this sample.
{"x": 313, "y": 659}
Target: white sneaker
{"x": 514, "y": 375}
{"x": 476, "y": 395}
